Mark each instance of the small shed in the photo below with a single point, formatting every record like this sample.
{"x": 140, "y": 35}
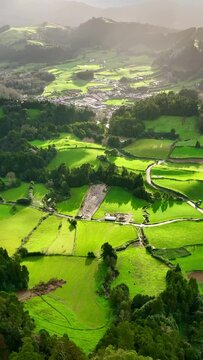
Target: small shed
{"x": 110, "y": 218}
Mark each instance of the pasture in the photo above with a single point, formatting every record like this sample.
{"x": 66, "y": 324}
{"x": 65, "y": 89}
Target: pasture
{"x": 131, "y": 164}
{"x": 164, "y": 210}
{"x": 187, "y": 152}
{"x": 193, "y": 262}
{"x": 175, "y": 235}
{"x": 65, "y": 141}
{"x": 150, "y": 148}
{"x": 16, "y": 193}
{"x": 108, "y": 68}
{"x": 72, "y": 205}
{"x": 90, "y": 236}
{"x": 173, "y": 173}
{"x": 140, "y": 272}
{"x": 119, "y": 200}
{"x": 54, "y": 236}
{"x": 76, "y": 157}
{"x": 193, "y": 189}
{"x": 184, "y": 127}
{"x": 15, "y": 225}
{"x": 74, "y": 309}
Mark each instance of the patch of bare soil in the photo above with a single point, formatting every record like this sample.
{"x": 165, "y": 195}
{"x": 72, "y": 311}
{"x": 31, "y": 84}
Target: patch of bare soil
{"x": 93, "y": 200}
{"x": 198, "y": 275}
{"x": 40, "y": 289}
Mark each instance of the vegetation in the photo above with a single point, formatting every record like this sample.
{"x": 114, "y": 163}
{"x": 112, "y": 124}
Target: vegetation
{"x": 150, "y": 148}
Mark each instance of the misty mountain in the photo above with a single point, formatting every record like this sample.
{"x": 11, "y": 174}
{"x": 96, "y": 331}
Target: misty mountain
{"x": 178, "y": 14}
{"x": 177, "y": 52}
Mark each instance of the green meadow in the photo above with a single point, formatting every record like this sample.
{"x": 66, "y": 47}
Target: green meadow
{"x": 193, "y": 189}
{"x": 150, "y": 148}
{"x": 72, "y": 206}
{"x": 15, "y": 225}
{"x": 131, "y": 164}
{"x": 90, "y": 236}
{"x": 65, "y": 141}
{"x": 164, "y": 210}
{"x": 140, "y": 272}
{"x": 186, "y": 152}
{"x": 53, "y": 236}
{"x": 119, "y": 200}
{"x": 175, "y": 235}
{"x": 76, "y": 157}
{"x": 74, "y": 309}
{"x": 193, "y": 262}
{"x": 184, "y": 127}
{"x": 16, "y": 193}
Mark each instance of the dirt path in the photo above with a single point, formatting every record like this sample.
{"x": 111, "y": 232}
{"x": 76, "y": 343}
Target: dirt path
{"x": 39, "y": 290}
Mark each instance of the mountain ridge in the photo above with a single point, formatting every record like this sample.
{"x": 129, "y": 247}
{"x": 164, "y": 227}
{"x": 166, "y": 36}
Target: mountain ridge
{"x": 168, "y": 13}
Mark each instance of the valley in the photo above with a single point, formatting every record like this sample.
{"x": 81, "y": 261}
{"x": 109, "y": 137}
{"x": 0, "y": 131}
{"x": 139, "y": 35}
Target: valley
{"x": 129, "y": 223}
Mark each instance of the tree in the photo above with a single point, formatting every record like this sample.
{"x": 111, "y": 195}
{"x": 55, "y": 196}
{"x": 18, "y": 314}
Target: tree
{"x": 197, "y": 145}
{"x": 65, "y": 349}
{"x": 26, "y": 352}
{"x": 119, "y": 354}
{"x": 108, "y": 253}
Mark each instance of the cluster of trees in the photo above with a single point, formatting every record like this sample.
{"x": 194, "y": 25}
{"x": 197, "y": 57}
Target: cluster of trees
{"x": 60, "y": 180}
{"x": 18, "y": 126}
{"x": 109, "y": 258}
{"x": 13, "y": 276}
{"x": 49, "y": 119}
{"x": 167, "y": 327}
{"x": 85, "y": 75}
{"x": 19, "y": 342}
{"x": 31, "y": 83}
{"x": 129, "y": 121}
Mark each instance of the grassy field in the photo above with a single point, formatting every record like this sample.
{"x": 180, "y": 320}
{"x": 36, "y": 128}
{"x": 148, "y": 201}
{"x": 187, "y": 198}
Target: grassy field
{"x": 175, "y": 235}
{"x": 191, "y": 188}
{"x": 72, "y": 206}
{"x": 131, "y": 164}
{"x": 117, "y": 102}
{"x": 184, "y": 127}
{"x": 90, "y": 236}
{"x": 186, "y": 152}
{"x": 140, "y": 272}
{"x": 5, "y": 212}
{"x": 176, "y": 173}
{"x": 119, "y": 200}
{"x": 192, "y": 262}
{"x": 163, "y": 210}
{"x": 76, "y": 157}
{"x": 16, "y": 193}
{"x": 53, "y": 236}
{"x": 15, "y": 226}
{"x": 150, "y": 148}
{"x": 64, "y": 142}
{"x": 39, "y": 192}
{"x": 75, "y": 308}
{"x": 108, "y": 69}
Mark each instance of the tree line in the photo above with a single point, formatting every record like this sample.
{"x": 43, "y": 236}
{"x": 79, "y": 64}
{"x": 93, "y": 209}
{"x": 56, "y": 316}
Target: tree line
{"x": 129, "y": 121}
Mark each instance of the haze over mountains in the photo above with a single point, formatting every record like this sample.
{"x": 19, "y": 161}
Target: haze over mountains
{"x": 169, "y": 13}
